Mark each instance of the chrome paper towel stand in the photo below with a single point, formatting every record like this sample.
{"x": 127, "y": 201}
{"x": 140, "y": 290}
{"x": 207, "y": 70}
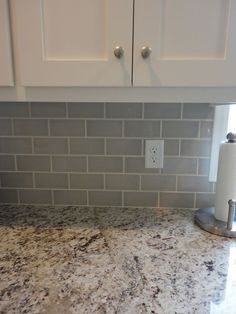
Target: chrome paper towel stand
{"x": 205, "y": 217}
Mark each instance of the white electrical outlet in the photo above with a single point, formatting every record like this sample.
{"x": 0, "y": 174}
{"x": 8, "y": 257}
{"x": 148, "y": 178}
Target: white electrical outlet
{"x": 154, "y": 152}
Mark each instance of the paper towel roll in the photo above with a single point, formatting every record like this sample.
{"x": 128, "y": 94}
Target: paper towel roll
{"x": 226, "y": 180}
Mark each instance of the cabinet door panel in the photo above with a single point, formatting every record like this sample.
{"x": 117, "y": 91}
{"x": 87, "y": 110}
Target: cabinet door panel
{"x": 72, "y": 42}
{"x": 193, "y": 43}
{"x": 6, "y": 77}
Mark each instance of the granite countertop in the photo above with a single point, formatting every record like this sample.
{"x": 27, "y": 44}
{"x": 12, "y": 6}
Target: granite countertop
{"x": 87, "y": 260}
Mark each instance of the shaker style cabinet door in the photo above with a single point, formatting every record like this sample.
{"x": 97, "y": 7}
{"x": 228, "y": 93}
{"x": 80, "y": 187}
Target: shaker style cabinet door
{"x": 185, "y": 43}
{"x": 6, "y": 75}
{"x": 72, "y": 42}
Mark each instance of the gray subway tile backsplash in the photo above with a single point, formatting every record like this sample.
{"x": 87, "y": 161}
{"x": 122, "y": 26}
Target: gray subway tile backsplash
{"x": 124, "y": 110}
{"x": 93, "y": 154}
{"x": 48, "y": 110}
{"x": 162, "y": 111}
{"x": 14, "y": 109}
{"x": 137, "y": 199}
{"x": 179, "y": 200}
{"x": 105, "y": 164}
{"x": 7, "y": 163}
{"x": 15, "y": 145}
{"x": 65, "y": 197}
{"x": 180, "y": 165}
{"x": 69, "y": 164}
{"x": 50, "y": 145}
{"x": 34, "y": 196}
{"x": 180, "y": 129}
{"x": 8, "y": 196}
{"x": 105, "y": 198}
{"x": 5, "y": 127}
{"x": 51, "y": 180}
{"x": 87, "y": 181}
{"x": 87, "y": 146}
{"x": 33, "y": 163}
{"x": 16, "y": 179}
{"x": 104, "y": 128}
{"x": 142, "y": 128}
{"x": 122, "y": 182}
{"x": 197, "y": 111}
{"x": 65, "y": 127}
{"x": 30, "y": 127}
{"x": 86, "y": 110}
{"x": 124, "y": 147}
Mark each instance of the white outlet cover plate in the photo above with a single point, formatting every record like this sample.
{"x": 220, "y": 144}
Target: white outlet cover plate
{"x": 154, "y": 153}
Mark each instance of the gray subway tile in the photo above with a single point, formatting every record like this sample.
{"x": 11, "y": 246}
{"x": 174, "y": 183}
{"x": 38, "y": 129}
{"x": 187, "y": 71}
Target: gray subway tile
{"x": 51, "y": 180}
{"x": 69, "y": 164}
{"x": 180, "y": 129}
{"x": 180, "y": 165}
{"x": 122, "y": 182}
{"x": 177, "y": 200}
{"x": 105, "y": 164}
{"x": 87, "y": 146}
{"x": 86, "y": 110}
{"x": 206, "y": 129}
{"x": 67, "y": 127}
{"x": 14, "y": 109}
{"x": 205, "y": 200}
{"x": 199, "y": 148}
{"x": 50, "y": 146}
{"x": 142, "y": 128}
{"x": 33, "y": 163}
{"x": 109, "y": 128}
{"x": 34, "y": 196}
{"x": 8, "y": 196}
{"x": 70, "y": 197}
{"x": 162, "y": 111}
{"x": 48, "y": 109}
{"x": 30, "y": 127}
{"x": 171, "y": 147}
{"x": 197, "y": 111}
{"x": 5, "y": 127}
{"x": 158, "y": 183}
{"x": 124, "y": 110}
{"x": 139, "y": 199}
{"x": 7, "y": 163}
{"x": 204, "y": 166}
{"x": 15, "y": 145}
{"x": 105, "y": 198}
{"x": 87, "y": 181}
{"x": 194, "y": 184}
{"x": 16, "y": 179}
{"x": 137, "y": 165}
{"x": 124, "y": 147}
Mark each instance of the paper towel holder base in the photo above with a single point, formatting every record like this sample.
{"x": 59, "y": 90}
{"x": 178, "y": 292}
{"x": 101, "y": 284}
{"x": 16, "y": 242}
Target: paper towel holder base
{"x": 205, "y": 219}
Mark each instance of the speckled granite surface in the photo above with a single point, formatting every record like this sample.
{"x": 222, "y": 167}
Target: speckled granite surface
{"x": 86, "y": 260}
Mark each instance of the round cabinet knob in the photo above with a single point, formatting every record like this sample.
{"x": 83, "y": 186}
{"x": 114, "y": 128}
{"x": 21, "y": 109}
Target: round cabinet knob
{"x": 145, "y": 52}
{"x": 119, "y": 52}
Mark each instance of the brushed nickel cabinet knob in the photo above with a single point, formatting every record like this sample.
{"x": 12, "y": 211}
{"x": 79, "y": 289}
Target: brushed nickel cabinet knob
{"x": 119, "y": 52}
{"x": 145, "y": 52}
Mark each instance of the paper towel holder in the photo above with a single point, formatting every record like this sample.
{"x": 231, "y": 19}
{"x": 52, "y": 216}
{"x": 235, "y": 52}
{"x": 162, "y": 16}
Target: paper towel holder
{"x": 205, "y": 217}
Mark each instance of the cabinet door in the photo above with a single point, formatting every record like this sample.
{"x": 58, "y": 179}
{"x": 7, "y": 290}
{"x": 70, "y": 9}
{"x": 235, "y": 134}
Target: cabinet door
{"x": 193, "y": 43}
{"x": 72, "y": 42}
{"x": 6, "y": 77}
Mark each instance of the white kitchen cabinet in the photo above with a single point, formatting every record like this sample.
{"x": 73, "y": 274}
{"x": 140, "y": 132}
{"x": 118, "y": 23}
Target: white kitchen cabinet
{"x": 72, "y": 42}
{"x": 193, "y": 43}
{"x": 6, "y": 75}
{"x": 64, "y": 50}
